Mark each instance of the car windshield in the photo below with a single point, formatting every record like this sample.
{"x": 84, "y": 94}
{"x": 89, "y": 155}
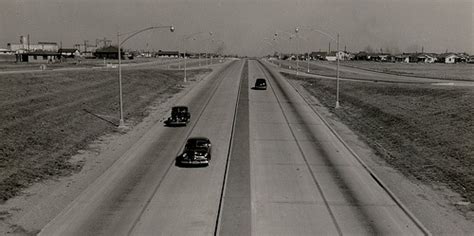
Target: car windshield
{"x": 260, "y": 82}
{"x": 194, "y": 143}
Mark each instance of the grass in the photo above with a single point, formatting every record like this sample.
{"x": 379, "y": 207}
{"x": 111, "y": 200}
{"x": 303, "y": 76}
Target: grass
{"x": 72, "y": 63}
{"x": 435, "y": 70}
{"x": 424, "y": 131}
{"x": 47, "y": 117}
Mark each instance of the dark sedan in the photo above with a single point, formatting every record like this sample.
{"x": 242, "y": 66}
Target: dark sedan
{"x": 197, "y": 152}
{"x": 260, "y": 83}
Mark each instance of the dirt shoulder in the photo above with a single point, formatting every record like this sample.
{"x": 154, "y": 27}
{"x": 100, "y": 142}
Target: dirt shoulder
{"x": 417, "y": 139}
{"x": 95, "y": 143}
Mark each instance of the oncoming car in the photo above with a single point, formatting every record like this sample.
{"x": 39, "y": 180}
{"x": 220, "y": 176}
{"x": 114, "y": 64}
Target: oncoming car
{"x": 197, "y": 152}
{"x": 260, "y": 83}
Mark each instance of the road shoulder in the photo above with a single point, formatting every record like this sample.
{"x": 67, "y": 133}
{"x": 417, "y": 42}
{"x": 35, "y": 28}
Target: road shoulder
{"x": 431, "y": 204}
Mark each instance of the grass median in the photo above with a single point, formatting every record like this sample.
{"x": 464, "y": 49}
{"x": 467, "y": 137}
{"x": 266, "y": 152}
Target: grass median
{"x": 47, "y": 117}
{"x": 424, "y": 131}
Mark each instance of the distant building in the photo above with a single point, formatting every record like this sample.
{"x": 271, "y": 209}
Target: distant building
{"x": 110, "y": 52}
{"x": 404, "y": 58}
{"x": 25, "y": 45}
{"x": 362, "y": 56}
{"x": 318, "y": 55}
{"x": 167, "y": 54}
{"x": 38, "y": 56}
{"x": 448, "y": 58}
{"x": 7, "y": 55}
{"x": 426, "y": 58}
{"x": 332, "y": 56}
{"x": 471, "y": 59}
{"x": 69, "y": 52}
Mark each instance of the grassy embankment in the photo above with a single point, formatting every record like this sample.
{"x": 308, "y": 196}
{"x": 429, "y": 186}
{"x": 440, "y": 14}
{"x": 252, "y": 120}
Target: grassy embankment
{"x": 461, "y": 71}
{"x": 73, "y": 63}
{"x": 426, "y": 132}
{"x": 47, "y": 117}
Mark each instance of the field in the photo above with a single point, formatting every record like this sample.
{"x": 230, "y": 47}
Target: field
{"x": 435, "y": 70}
{"x": 424, "y": 131}
{"x": 47, "y": 117}
{"x": 9, "y": 66}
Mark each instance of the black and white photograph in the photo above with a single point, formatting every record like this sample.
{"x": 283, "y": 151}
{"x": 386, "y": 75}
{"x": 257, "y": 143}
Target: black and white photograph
{"x": 236, "y": 117}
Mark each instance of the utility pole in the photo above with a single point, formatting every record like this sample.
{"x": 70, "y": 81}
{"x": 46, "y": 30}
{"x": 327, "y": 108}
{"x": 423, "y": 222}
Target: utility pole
{"x": 85, "y": 45}
{"x": 337, "y": 77}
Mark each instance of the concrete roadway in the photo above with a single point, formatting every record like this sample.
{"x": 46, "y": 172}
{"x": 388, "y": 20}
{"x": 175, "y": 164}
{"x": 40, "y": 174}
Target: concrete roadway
{"x": 276, "y": 170}
{"x": 304, "y": 181}
{"x": 144, "y": 193}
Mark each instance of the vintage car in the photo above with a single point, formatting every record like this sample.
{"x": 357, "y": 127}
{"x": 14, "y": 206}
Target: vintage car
{"x": 180, "y": 116}
{"x": 197, "y": 152}
{"x": 260, "y": 83}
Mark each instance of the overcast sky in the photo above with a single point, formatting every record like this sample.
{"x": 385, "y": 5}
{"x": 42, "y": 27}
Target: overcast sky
{"x": 243, "y": 25}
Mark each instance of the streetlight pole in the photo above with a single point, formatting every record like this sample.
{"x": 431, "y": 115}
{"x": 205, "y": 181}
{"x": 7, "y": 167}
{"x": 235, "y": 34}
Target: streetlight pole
{"x": 290, "y": 37}
{"x": 297, "y": 49}
{"x": 337, "y": 69}
{"x": 337, "y": 60}
{"x": 119, "y": 44}
{"x": 186, "y": 49}
{"x": 307, "y": 59}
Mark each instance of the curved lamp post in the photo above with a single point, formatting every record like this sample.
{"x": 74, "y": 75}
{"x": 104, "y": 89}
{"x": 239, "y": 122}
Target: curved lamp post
{"x": 119, "y": 44}
{"x": 337, "y": 58}
{"x": 216, "y": 41}
{"x": 291, "y": 36}
{"x": 185, "y": 38}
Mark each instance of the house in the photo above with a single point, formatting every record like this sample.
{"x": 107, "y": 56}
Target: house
{"x": 426, "y": 58}
{"x": 332, "y": 56}
{"x": 380, "y": 57}
{"x": 404, "y": 58}
{"x": 7, "y": 55}
{"x": 6, "y": 52}
{"x": 448, "y": 58}
{"x": 38, "y": 56}
{"x": 69, "y": 52}
{"x": 168, "y": 54}
{"x": 361, "y": 56}
{"x": 462, "y": 57}
{"x": 318, "y": 55}
{"x": 471, "y": 59}
{"x": 109, "y": 52}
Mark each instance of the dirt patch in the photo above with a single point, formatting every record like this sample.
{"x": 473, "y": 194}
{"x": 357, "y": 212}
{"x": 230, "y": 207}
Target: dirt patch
{"x": 425, "y": 132}
{"x": 48, "y": 117}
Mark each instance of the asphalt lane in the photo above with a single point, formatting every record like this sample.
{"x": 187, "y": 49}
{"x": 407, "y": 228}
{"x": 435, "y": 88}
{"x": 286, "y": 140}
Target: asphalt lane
{"x": 115, "y": 202}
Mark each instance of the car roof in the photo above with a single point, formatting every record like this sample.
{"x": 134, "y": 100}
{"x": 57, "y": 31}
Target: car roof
{"x": 198, "y": 139}
{"x": 179, "y": 107}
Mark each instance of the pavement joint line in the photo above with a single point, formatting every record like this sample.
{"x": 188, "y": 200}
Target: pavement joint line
{"x": 333, "y": 203}
{"x": 316, "y": 182}
{"x": 179, "y": 151}
{"x": 371, "y": 173}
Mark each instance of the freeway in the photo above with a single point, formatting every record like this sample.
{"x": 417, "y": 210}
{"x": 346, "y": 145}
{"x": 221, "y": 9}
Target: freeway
{"x": 277, "y": 169}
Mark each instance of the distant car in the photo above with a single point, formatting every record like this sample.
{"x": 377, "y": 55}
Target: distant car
{"x": 197, "y": 151}
{"x": 260, "y": 83}
{"x": 180, "y": 116}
